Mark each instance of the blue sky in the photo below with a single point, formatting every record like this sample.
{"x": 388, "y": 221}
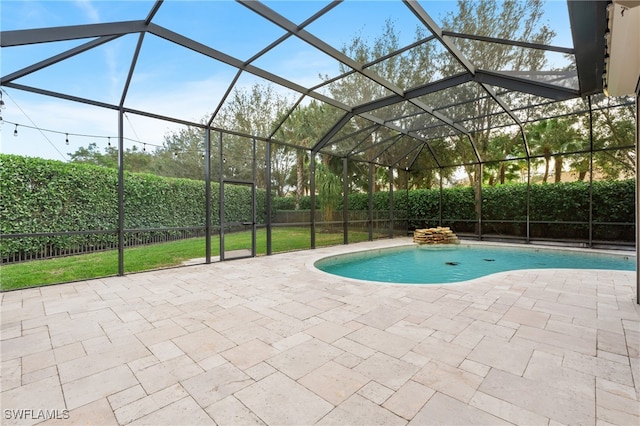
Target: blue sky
{"x": 168, "y": 80}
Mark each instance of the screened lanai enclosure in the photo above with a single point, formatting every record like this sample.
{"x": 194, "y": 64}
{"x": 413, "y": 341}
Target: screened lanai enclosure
{"x": 248, "y": 128}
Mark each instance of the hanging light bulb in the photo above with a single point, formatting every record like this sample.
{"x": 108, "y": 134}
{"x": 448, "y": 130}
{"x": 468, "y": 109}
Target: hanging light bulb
{"x": 109, "y": 141}
{"x": 15, "y": 132}
{"x": 144, "y": 147}
{"x": 2, "y": 106}
{"x": 66, "y": 141}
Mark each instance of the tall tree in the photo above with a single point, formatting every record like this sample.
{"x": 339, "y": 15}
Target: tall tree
{"x": 92, "y": 155}
{"x": 329, "y": 190}
{"x": 181, "y": 154}
{"x": 553, "y": 138}
{"x": 615, "y": 128}
{"x": 403, "y": 71}
{"x": 303, "y": 128}
{"x": 504, "y": 169}
{"x": 509, "y": 20}
{"x": 135, "y": 159}
{"x": 251, "y": 111}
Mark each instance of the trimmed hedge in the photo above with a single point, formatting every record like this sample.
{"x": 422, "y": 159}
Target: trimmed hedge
{"x": 40, "y": 196}
{"x": 289, "y": 203}
{"x": 613, "y": 202}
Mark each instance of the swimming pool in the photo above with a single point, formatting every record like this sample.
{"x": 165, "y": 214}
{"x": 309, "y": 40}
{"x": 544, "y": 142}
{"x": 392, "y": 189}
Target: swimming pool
{"x": 454, "y": 263}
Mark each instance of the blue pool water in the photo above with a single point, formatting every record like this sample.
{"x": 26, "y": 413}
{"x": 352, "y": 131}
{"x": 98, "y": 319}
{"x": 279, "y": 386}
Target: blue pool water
{"x": 447, "y": 264}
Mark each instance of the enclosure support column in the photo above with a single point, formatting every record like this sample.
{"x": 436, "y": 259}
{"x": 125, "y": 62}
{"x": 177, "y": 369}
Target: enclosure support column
{"x": 370, "y": 190}
{"x": 391, "y": 215}
{"x": 440, "y": 198}
{"x": 253, "y": 199}
{"x": 479, "y": 175}
{"x": 528, "y": 153}
{"x": 408, "y": 205}
{"x": 268, "y": 201}
{"x": 345, "y": 200}
{"x": 207, "y": 193}
{"x": 590, "y": 173}
{"x": 528, "y": 200}
{"x": 221, "y": 196}
{"x": 312, "y": 197}
{"x": 121, "y": 192}
{"x": 637, "y": 193}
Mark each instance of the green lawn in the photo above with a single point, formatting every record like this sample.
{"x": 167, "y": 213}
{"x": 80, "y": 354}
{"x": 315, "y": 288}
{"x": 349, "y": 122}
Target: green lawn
{"x": 103, "y": 264}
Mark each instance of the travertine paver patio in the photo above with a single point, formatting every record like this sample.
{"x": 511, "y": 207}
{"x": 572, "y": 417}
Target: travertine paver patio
{"x": 271, "y": 341}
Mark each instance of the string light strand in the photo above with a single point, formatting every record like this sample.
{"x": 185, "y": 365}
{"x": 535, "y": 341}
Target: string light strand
{"x": 43, "y": 132}
{"x": 15, "y": 133}
{"x": 82, "y": 135}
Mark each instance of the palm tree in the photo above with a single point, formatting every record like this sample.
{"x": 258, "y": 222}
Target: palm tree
{"x": 329, "y": 190}
{"x": 551, "y": 138}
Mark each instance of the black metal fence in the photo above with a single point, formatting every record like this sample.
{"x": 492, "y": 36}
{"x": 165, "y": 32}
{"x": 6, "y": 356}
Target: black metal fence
{"x": 47, "y": 245}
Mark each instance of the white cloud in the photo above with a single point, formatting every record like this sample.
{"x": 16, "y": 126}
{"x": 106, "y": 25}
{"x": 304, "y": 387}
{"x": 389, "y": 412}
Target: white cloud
{"x": 88, "y": 9}
{"x": 59, "y": 116}
{"x": 189, "y": 101}
{"x": 115, "y": 73}
{"x": 301, "y": 66}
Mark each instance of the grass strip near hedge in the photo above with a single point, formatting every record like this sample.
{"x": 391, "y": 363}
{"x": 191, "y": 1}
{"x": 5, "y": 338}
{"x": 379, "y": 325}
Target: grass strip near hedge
{"x": 96, "y": 265}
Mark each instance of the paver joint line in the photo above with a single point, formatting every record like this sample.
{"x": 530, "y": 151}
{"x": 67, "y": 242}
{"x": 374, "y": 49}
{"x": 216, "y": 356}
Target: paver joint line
{"x": 214, "y": 344}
